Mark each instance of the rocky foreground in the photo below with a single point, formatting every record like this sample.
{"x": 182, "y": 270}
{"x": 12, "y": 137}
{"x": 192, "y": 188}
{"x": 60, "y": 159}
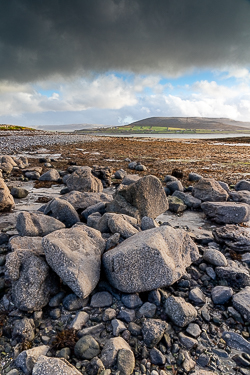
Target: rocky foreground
{"x": 95, "y": 281}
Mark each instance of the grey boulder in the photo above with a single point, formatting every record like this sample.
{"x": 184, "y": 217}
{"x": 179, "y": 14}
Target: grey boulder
{"x": 83, "y": 180}
{"x": 208, "y": 189}
{"x": 36, "y": 224}
{"x": 50, "y": 175}
{"x": 149, "y": 260}
{"x": 188, "y": 199}
{"x": 145, "y": 197}
{"x": 33, "y": 282}
{"x": 221, "y": 294}
{"x": 75, "y": 255}
{"x": 240, "y": 196}
{"x": 62, "y": 211}
{"x": 226, "y": 212}
{"x": 83, "y": 200}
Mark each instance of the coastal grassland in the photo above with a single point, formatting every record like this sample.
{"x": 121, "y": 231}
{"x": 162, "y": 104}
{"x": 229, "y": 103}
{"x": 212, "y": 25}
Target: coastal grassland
{"x": 136, "y": 129}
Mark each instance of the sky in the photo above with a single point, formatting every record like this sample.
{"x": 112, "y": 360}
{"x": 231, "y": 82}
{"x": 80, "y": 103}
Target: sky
{"x": 112, "y": 62}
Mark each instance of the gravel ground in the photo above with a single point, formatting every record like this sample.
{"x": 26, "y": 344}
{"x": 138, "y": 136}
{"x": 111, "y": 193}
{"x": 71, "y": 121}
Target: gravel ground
{"x": 14, "y": 142}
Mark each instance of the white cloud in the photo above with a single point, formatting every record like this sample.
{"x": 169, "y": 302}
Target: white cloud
{"x": 116, "y": 100}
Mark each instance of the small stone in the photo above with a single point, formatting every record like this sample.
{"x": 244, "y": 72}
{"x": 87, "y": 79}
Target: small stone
{"x": 134, "y": 329}
{"x": 194, "y": 330}
{"x": 156, "y": 357}
{"x": 203, "y": 360}
{"x": 125, "y": 362}
{"x": 147, "y": 310}
{"x": 109, "y": 314}
{"x": 153, "y": 331}
{"x": 215, "y": 257}
{"x": 132, "y": 301}
{"x": 101, "y": 299}
{"x": 197, "y": 296}
{"x": 79, "y": 321}
{"x": 86, "y": 348}
{"x": 127, "y": 315}
{"x": 221, "y": 294}
{"x": 72, "y": 302}
{"x": 179, "y": 311}
{"x": 118, "y": 327}
{"x": 55, "y": 314}
{"x": 187, "y": 341}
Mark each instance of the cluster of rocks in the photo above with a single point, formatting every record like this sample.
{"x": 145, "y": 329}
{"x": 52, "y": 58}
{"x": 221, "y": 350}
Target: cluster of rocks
{"x": 93, "y": 283}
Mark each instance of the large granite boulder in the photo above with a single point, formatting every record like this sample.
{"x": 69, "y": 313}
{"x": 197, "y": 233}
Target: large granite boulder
{"x": 82, "y": 200}
{"x": 208, "y": 189}
{"x": 33, "y": 282}
{"x": 226, "y": 212}
{"x": 149, "y": 260}
{"x": 145, "y": 197}
{"x": 6, "y": 199}
{"x": 83, "y": 180}
{"x": 233, "y": 236}
{"x": 34, "y": 224}
{"x": 75, "y": 255}
{"x": 63, "y": 211}
{"x": 56, "y": 366}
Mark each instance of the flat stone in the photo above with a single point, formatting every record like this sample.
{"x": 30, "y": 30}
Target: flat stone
{"x": 79, "y": 321}
{"x": 187, "y": 341}
{"x": 226, "y": 212}
{"x": 194, "y": 330}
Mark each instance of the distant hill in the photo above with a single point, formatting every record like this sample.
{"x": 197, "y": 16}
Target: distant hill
{"x": 172, "y": 125}
{"x": 193, "y": 123}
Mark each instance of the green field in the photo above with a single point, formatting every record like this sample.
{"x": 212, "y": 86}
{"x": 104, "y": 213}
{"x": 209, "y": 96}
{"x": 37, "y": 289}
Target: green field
{"x": 134, "y": 129}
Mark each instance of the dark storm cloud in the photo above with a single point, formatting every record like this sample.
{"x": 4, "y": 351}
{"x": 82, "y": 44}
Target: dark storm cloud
{"x": 40, "y": 38}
